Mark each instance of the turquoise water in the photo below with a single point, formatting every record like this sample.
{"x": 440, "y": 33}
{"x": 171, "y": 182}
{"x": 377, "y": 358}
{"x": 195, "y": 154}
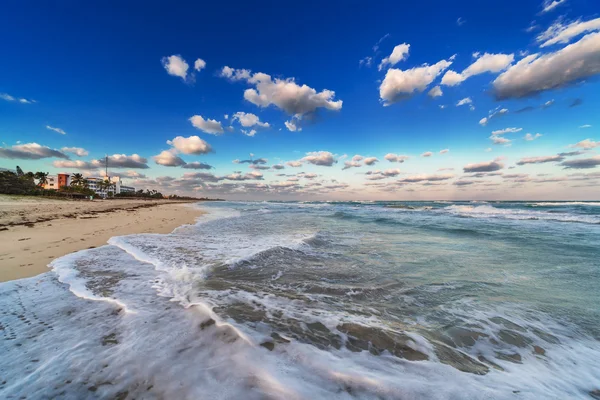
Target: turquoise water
{"x": 321, "y": 300}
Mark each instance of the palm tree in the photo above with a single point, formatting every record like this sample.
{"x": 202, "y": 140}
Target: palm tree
{"x": 77, "y": 180}
{"x": 42, "y": 178}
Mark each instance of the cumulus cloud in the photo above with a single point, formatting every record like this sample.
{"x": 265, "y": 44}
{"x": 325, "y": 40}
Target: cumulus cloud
{"x": 199, "y": 64}
{"x": 486, "y": 166}
{"x": 529, "y": 137}
{"x": 402, "y": 84}
{"x": 537, "y": 73}
{"x": 278, "y": 167}
{"x": 427, "y": 154}
{"x": 351, "y": 164}
{"x": 540, "y": 160}
{"x": 500, "y": 140}
{"x": 197, "y": 165}
{"x": 399, "y": 53}
{"x": 323, "y": 158}
{"x": 294, "y": 164}
{"x": 435, "y": 91}
{"x": 30, "y": 151}
{"x": 168, "y": 158}
{"x": 291, "y": 126}
{"x": 371, "y": 160}
{"x": 57, "y": 130}
{"x": 78, "y": 164}
{"x": 284, "y": 94}
{"x": 493, "y": 63}
{"x": 444, "y": 151}
{"x": 207, "y": 125}
{"x": 379, "y": 175}
{"x": 190, "y": 145}
{"x": 586, "y": 144}
{"x": 582, "y": 163}
{"x": 78, "y": 151}
{"x": 124, "y": 161}
{"x": 236, "y": 176}
{"x": 248, "y": 119}
{"x": 175, "y": 65}
{"x": 396, "y": 158}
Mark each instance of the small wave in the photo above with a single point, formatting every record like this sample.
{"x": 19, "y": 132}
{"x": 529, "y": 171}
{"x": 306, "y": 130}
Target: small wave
{"x": 488, "y": 211}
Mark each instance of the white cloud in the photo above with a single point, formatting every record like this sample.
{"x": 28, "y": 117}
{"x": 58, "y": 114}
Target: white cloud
{"x": 452, "y": 78}
{"x": 250, "y": 132}
{"x": 284, "y": 94}
{"x": 559, "y": 33}
{"x": 585, "y": 126}
{"x": 78, "y": 151}
{"x": 248, "y": 119}
{"x": 291, "y": 126}
{"x": 197, "y": 165}
{"x": 323, "y": 158}
{"x": 427, "y": 154}
{"x": 207, "y": 125}
{"x": 461, "y": 21}
{"x": 540, "y": 160}
{"x": 401, "y": 84}
{"x": 168, "y": 158}
{"x": 124, "y": 161}
{"x": 535, "y": 74}
{"x": 529, "y": 137}
{"x": 57, "y": 130}
{"x": 371, "y": 160}
{"x": 399, "y": 53}
{"x": 435, "y": 91}
{"x": 485, "y": 63}
{"x": 426, "y": 178}
{"x": 30, "y": 151}
{"x": 499, "y": 140}
{"x": 444, "y": 151}
{"x": 586, "y": 144}
{"x": 190, "y": 145}
{"x": 497, "y": 112}
{"x": 77, "y": 164}
{"x": 462, "y": 102}
{"x": 396, "y": 158}
{"x": 8, "y": 97}
{"x": 294, "y": 164}
{"x": 199, "y": 64}
{"x": 549, "y": 5}
{"x": 507, "y": 130}
{"x": 487, "y": 166}
{"x": 235, "y": 74}
{"x": 176, "y": 66}
{"x": 351, "y": 164}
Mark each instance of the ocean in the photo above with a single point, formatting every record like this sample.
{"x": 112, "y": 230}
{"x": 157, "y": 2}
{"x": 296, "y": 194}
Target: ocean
{"x": 337, "y": 300}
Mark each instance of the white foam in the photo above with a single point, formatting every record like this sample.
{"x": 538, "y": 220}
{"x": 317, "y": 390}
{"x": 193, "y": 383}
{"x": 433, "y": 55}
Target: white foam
{"x": 488, "y": 211}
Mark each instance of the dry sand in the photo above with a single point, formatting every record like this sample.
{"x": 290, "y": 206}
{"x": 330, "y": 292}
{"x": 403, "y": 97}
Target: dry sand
{"x": 34, "y": 231}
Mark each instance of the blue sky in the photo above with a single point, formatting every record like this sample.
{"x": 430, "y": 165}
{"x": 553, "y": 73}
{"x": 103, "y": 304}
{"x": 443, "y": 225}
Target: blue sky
{"x": 105, "y": 75}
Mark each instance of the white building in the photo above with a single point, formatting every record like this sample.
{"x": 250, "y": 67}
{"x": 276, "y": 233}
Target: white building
{"x": 57, "y": 181}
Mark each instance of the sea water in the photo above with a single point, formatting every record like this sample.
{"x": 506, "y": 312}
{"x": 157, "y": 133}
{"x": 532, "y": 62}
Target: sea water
{"x": 382, "y": 300}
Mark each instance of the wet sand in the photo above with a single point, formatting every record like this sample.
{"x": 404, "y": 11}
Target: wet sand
{"x": 35, "y": 231}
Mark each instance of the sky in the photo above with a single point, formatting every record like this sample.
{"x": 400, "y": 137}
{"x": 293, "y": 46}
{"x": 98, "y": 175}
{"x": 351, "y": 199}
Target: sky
{"x": 337, "y": 100}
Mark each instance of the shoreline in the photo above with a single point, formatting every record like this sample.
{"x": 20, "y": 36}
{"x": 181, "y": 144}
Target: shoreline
{"x": 34, "y": 231}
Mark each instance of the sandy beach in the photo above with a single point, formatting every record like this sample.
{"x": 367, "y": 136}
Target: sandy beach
{"x": 34, "y": 231}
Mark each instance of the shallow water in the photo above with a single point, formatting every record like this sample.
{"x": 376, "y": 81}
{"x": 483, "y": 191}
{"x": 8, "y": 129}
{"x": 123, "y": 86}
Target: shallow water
{"x": 432, "y": 300}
